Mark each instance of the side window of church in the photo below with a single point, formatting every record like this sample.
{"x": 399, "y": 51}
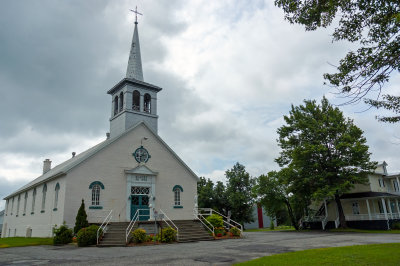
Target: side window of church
{"x": 57, "y": 189}
{"x": 33, "y": 200}
{"x": 177, "y": 195}
{"x": 96, "y": 195}
{"x": 96, "y": 188}
{"x": 44, "y": 197}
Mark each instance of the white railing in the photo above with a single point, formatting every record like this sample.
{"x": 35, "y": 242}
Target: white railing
{"x": 201, "y": 218}
{"x": 103, "y": 227}
{"x": 366, "y": 217}
{"x": 132, "y": 223}
{"x": 229, "y": 222}
{"x": 166, "y": 221}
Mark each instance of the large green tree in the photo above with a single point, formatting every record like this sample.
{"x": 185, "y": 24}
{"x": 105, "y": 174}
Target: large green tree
{"x": 274, "y": 195}
{"x": 327, "y": 152}
{"x": 375, "y": 26}
{"x": 239, "y": 193}
{"x": 205, "y": 193}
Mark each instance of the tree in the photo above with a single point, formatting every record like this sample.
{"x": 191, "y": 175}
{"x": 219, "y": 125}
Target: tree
{"x": 220, "y": 199}
{"x": 275, "y": 194}
{"x": 327, "y": 152}
{"x": 375, "y": 26}
{"x": 205, "y": 193}
{"x": 81, "y": 218}
{"x": 239, "y": 194}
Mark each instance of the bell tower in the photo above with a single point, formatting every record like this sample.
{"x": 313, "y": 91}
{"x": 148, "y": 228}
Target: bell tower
{"x": 133, "y": 100}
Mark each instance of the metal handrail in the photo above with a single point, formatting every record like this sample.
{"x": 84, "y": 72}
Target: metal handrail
{"x": 177, "y": 230}
{"x": 197, "y": 214}
{"x": 324, "y": 222}
{"x": 104, "y": 227}
{"x": 236, "y": 224}
{"x": 135, "y": 218}
{"x": 337, "y": 222}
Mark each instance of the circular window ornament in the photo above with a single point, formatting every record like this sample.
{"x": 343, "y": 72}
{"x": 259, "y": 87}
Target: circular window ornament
{"x": 141, "y": 155}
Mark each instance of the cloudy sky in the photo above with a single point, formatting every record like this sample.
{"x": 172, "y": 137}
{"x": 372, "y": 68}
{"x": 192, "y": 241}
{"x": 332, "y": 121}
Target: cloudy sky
{"x": 229, "y": 71}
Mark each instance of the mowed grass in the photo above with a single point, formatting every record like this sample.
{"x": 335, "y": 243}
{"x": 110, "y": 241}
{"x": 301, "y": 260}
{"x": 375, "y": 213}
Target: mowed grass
{"x": 277, "y": 228}
{"x": 377, "y": 254}
{"x": 9, "y": 242}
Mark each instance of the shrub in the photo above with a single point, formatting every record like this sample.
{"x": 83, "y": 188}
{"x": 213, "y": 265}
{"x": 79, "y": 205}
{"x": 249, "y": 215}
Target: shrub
{"x": 168, "y": 235}
{"x": 215, "y": 220}
{"x": 272, "y": 225}
{"x": 396, "y": 226}
{"x": 235, "y": 231}
{"x": 87, "y": 236}
{"x": 81, "y": 218}
{"x": 62, "y": 235}
{"x": 219, "y": 231}
{"x": 139, "y": 236}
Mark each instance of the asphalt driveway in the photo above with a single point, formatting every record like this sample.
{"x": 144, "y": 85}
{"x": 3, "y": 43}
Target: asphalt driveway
{"x": 219, "y": 252}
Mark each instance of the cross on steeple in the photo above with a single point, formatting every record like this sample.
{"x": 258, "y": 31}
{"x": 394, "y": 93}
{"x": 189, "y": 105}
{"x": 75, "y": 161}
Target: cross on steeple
{"x": 137, "y": 13}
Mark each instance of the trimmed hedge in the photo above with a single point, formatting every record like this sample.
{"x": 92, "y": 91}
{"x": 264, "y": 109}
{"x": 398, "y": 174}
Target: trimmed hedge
{"x": 87, "y": 236}
{"x": 168, "y": 235}
{"x": 62, "y": 235}
{"x": 139, "y": 236}
{"x": 215, "y": 220}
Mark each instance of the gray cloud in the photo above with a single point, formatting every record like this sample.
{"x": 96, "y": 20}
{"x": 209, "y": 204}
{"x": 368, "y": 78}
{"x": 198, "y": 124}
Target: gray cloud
{"x": 229, "y": 71}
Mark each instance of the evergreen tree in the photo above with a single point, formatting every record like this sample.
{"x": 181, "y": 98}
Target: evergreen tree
{"x": 239, "y": 193}
{"x": 205, "y": 193}
{"x": 81, "y": 218}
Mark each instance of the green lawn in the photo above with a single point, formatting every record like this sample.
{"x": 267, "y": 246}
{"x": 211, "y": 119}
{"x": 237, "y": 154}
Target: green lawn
{"x": 365, "y": 231}
{"x": 277, "y": 228}
{"x": 378, "y": 254}
{"x": 24, "y": 241}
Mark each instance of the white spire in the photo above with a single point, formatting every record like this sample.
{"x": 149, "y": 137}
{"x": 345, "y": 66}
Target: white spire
{"x": 134, "y": 70}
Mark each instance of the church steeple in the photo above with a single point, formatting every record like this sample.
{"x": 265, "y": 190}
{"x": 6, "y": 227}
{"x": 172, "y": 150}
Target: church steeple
{"x": 134, "y": 70}
{"x": 133, "y": 100}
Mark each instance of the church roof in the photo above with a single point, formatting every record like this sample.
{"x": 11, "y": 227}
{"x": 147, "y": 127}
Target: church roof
{"x": 133, "y": 82}
{"x": 65, "y": 167}
{"x": 134, "y": 69}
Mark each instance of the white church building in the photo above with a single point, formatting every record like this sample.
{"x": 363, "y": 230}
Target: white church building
{"x": 133, "y": 168}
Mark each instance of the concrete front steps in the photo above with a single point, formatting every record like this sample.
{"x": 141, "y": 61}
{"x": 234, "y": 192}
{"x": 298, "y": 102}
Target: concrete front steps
{"x": 189, "y": 231}
{"x": 192, "y": 231}
{"x": 115, "y": 235}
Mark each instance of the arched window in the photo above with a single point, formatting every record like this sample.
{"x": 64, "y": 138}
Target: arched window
{"x": 177, "y": 196}
{"x": 12, "y": 205}
{"x": 121, "y": 101}
{"x": 96, "y": 186}
{"x": 19, "y": 200}
{"x": 116, "y": 105}
{"x": 136, "y": 101}
{"x": 26, "y": 200}
{"x": 147, "y": 103}
{"x": 57, "y": 189}
{"x": 44, "y": 197}
{"x": 96, "y": 195}
{"x": 33, "y": 201}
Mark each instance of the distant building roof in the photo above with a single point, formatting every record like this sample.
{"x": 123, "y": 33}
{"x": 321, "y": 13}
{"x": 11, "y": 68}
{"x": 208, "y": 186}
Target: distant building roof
{"x": 368, "y": 194}
{"x": 66, "y": 166}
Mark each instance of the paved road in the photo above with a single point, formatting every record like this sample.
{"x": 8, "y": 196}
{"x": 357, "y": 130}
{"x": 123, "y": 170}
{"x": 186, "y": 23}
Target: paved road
{"x": 220, "y": 252}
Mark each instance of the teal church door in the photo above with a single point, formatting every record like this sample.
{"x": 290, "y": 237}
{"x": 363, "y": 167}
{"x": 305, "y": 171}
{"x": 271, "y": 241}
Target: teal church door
{"x": 141, "y": 203}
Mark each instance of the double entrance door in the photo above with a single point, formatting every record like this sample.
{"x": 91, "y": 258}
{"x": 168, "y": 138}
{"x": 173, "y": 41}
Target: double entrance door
{"x": 140, "y": 203}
